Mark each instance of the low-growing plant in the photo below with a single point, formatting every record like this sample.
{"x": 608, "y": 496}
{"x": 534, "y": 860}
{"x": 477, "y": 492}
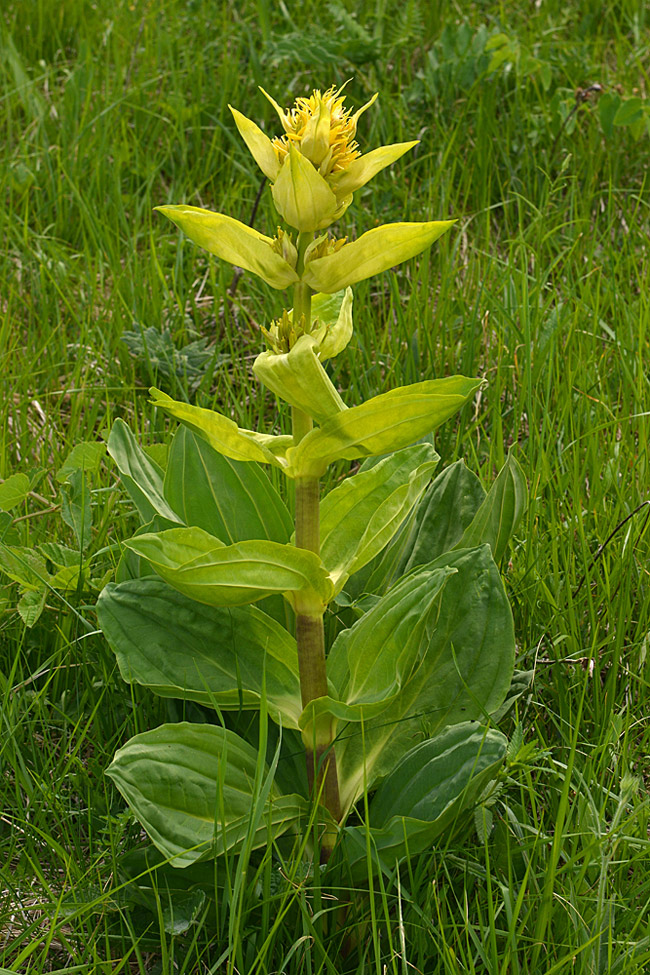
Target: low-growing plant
{"x": 370, "y": 630}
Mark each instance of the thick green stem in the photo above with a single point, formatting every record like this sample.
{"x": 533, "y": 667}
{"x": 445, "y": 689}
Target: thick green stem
{"x": 310, "y": 636}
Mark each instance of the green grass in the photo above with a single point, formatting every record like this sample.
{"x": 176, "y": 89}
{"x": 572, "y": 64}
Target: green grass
{"x": 108, "y": 109}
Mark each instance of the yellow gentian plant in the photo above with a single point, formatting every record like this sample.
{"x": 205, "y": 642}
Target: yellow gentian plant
{"x": 195, "y": 612}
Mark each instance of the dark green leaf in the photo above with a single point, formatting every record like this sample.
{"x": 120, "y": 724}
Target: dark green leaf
{"x": 231, "y": 500}
{"x": 216, "y": 657}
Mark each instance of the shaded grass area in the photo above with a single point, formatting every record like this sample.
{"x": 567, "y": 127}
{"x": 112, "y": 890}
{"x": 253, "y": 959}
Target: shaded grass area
{"x": 110, "y": 109}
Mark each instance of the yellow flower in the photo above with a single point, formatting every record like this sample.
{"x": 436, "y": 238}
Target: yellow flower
{"x": 316, "y": 165}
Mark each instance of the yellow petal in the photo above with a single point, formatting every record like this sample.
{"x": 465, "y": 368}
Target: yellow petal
{"x": 259, "y": 144}
{"x": 365, "y": 167}
{"x": 234, "y": 242}
{"x": 281, "y": 112}
{"x": 302, "y": 196}
{"x": 357, "y": 114}
{"x": 373, "y": 252}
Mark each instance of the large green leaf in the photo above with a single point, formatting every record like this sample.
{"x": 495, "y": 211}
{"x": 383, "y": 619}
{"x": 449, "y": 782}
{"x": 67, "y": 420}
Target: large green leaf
{"x": 229, "y": 499}
{"x": 141, "y": 476}
{"x": 217, "y": 657}
{"x": 500, "y": 513}
{"x": 380, "y": 425}
{"x": 377, "y": 656}
{"x": 224, "y": 434}
{"x": 434, "y": 783}
{"x": 192, "y": 788}
{"x": 360, "y": 516}
{"x": 465, "y": 672}
{"x": 371, "y": 661}
{"x": 202, "y": 567}
{"x": 444, "y": 513}
{"x": 436, "y": 526}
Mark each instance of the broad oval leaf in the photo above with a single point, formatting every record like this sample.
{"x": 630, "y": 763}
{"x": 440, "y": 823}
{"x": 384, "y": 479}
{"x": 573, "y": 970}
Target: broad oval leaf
{"x": 229, "y": 499}
{"x": 205, "y": 569}
{"x": 377, "y": 656}
{"x": 382, "y": 424}
{"x": 141, "y": 476}
{"x": 191, "y": 787}
{"x": 217, "y": 657}
{"x": 360, "y": 516}
{"x": 437, "y": 772}
{"x": 224, "y": 434}
{"x": 464, "y": 674}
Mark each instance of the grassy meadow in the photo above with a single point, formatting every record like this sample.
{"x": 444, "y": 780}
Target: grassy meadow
{"x": 534, "y": 125}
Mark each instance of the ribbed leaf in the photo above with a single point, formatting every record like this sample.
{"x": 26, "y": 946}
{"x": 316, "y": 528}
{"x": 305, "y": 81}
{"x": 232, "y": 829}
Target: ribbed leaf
{"x": 205, "y": 569}
{"x": 464, "y": 674}
{"x": 217, "y": 657}
{"x": 191, "y": 787}
{"x": 141, "y": 476}
{"x": 229, "y": 499}
{"x": 430, "y": 789}
{"x": 500, "y": 513}
{"x": 360, "y": 516}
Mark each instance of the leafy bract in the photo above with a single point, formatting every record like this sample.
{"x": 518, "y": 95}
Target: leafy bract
{"x": 234, "y": 242}
{"x": 203, "y": 568}
{"x": 361, "y": 514}
{"x": 362, "y": 169}
{"x": 298, "y": 378}
{"x": 375, "y": 251}
{"x": 229, "y": 499}
{"x": 302, "y": 197}
{"x": 464, "y": 673}
{"x": 141, "y": 476}
{"x": 384, "y": 423}
{"x": 224, "y": 434}
{"x": 221, "y": 658}
{"x": 191, "y": 787}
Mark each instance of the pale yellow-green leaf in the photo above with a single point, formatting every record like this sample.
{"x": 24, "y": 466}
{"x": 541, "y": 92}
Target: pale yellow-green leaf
{"x": 224, "y": 434}
{"x": 362, "y": 169}
{"x": 234, "y": 242}
{"x": 375, "y": 251}
{"x": 382, "y": 424}
{"x": 333, "y": 338}
{"x": 259, "y": 144}
{"x": 298, "y": 378}
{"x": 362, "y": 513}
{"x": 202, "y": 567}
{"x": 302, "y": 196}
